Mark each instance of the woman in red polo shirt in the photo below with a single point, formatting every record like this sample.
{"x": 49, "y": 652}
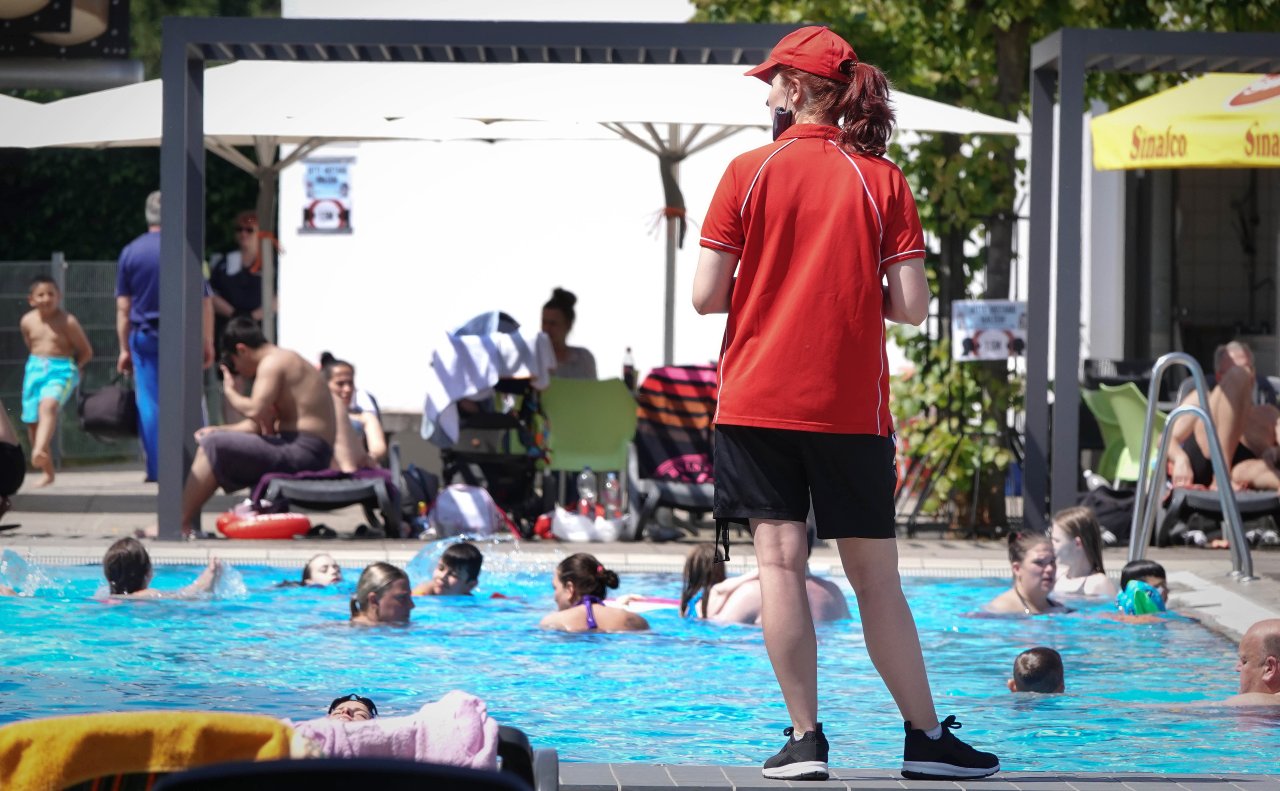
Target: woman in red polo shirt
{"x": 823, "y": 233}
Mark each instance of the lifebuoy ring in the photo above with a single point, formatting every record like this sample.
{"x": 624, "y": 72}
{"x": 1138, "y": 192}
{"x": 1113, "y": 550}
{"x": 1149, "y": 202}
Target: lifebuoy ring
{"x": 263, "y": 526}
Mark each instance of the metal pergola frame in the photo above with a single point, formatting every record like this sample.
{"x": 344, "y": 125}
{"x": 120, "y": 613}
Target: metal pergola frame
{"x": 188, "y": 42}
{"x": 1059, "y": 63}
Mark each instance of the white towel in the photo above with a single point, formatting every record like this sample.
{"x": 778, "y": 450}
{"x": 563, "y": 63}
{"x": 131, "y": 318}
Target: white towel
{"x": 468, "y": 367}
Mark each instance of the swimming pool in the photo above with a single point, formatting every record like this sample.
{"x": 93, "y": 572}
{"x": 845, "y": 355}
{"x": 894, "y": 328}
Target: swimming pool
{"x": 689, "y": 692}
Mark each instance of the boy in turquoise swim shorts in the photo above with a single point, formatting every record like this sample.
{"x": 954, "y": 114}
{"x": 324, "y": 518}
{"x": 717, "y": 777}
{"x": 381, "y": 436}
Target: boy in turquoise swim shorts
{"x": 59, "y": 350}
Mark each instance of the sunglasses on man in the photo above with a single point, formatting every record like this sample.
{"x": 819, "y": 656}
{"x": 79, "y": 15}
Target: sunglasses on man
{"x": 369, "y": 704}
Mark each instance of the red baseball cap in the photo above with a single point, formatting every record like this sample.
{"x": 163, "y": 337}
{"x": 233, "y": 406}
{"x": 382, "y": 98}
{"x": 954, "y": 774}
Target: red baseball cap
{"x": 814, "y": 49}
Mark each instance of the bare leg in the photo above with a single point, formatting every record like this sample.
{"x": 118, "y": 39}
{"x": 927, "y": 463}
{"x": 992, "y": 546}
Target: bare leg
{"x": 888, "y": 626}
{"x": 199, "y": 488}
{"x": 782, "y": 554}
{"x": 1229, "y": 405}
{"x": 1260, "y": 428}
{"x": 42, "y": 439}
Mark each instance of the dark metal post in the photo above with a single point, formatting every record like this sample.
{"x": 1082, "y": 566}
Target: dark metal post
{"x": 1035, "y": 479}
{"x": 181, "y": 246}
{"x": 1066, "y": 384}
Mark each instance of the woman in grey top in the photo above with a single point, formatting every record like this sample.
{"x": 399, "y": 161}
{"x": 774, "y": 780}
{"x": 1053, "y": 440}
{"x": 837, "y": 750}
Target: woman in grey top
{"x": 572, "y": 362}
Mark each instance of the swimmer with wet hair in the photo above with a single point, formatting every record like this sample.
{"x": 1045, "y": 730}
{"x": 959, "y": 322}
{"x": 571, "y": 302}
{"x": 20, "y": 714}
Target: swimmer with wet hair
{"x": 1143, "y": 588}
{"x": 457, "y": 572}
{"x": 581, "y": 583}
{"x": 1038, "y": 669}
{"x": 127, "y": 567}
{"x": 382, "y": 597}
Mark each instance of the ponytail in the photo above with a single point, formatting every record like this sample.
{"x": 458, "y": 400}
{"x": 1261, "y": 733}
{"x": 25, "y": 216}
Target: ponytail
{"x": 861, "y": 105}
{"x": 865, "y": 113}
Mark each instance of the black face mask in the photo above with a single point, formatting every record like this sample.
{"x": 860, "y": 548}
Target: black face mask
{"x": 782, "y": 121}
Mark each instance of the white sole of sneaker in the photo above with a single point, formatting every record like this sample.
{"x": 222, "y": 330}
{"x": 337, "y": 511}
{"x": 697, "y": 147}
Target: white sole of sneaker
{"x": 801, "y": 770}
{"x": 927, "y": 770}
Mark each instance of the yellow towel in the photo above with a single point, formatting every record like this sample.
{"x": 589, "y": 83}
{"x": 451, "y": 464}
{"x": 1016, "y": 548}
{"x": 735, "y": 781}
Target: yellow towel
{"x": 51, "y": 754}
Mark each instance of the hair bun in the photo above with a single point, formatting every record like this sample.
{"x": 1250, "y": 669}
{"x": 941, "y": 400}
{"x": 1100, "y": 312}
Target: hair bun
{"x": 326, "y": 358}
{"x": 563, "y": 297}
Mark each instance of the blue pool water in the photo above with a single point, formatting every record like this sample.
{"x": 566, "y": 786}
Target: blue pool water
{"x": 688, "y": 692}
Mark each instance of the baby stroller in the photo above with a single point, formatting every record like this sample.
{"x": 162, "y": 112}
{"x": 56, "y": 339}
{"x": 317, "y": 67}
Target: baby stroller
{"x": 482, "y": 410}
{"x": 670, "y": 460}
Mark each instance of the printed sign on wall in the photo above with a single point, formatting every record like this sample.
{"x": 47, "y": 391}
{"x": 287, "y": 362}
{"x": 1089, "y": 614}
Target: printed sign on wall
{"x": 327, "y": 208}
{"x": 988, "y": 329}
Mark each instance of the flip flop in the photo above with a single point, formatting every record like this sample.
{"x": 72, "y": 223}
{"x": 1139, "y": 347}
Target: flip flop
{"x": 320, "y": 531}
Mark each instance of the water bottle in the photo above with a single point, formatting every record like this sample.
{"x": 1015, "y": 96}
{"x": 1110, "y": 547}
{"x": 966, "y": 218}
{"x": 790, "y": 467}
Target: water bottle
{"x": 421, "y": 523}
{"x": 612, "y": 497}
{"x": 629, "y": 370}
{"x": 587, "y": 493}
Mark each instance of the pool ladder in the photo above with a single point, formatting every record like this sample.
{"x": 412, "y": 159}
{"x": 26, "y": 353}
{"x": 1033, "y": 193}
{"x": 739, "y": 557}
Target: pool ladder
{"x": 1146, "y": 502}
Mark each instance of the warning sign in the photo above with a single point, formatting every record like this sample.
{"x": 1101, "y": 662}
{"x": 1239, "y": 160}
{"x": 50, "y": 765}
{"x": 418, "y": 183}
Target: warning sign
{"x": 328, "y": 190}
{"x": 988, "y": 329}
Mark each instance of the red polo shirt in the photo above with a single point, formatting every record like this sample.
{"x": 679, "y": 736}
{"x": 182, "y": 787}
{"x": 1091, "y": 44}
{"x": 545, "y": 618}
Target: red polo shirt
{"x": 815, "y": 226}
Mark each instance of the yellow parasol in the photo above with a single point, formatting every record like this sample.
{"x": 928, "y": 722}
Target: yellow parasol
{"x": 1216, "y": 121}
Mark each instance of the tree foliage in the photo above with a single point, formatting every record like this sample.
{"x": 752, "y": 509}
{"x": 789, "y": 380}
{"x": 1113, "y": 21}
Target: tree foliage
{"x": 88, "y": 203}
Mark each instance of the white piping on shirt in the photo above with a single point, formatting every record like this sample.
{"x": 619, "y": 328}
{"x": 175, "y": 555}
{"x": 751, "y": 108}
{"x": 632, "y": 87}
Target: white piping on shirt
{"x": 899, "y": 255}
{"x": 870, "y": 198}
{"x": 742, "y": 210}
{"x": 717, "y": 241}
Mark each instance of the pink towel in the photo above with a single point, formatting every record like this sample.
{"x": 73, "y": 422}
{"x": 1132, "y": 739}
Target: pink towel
{"x": 455, "y": 730}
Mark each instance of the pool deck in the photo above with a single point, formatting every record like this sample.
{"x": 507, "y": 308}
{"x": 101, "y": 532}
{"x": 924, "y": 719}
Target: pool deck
{"x": 73, "y": 521}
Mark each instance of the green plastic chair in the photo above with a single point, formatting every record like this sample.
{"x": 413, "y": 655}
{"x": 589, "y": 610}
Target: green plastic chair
{"x": 591, "y": 424}
{"x": 1129, "y": 406}
{"x": 1113, "y": 446}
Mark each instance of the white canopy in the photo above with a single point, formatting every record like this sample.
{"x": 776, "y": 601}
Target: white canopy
{"x": 671, "y": 110}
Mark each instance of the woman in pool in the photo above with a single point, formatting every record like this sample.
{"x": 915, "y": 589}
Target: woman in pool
{"x": 1077, "y": 546}
{"x": 382, "y": 597}
{"x": 319, "y": 572}
{"x": 1034, "y": 572}
{"x": 127, "y": 567}
{"x": 709, "y": 595}
{"x": 580, "y": 583}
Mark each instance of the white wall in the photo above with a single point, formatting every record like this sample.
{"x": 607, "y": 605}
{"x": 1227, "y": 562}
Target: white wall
{"x": 443, "y": 231}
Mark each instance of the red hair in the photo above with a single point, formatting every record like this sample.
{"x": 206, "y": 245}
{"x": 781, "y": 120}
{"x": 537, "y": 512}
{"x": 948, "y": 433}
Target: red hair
{"x": 860, "y": 105}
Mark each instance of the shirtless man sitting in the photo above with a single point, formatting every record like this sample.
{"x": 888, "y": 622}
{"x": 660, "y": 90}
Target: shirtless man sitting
{"x": 1259, "y": 666}
{"x": 1246, "y": 430}
{"x": 288, "y": 426}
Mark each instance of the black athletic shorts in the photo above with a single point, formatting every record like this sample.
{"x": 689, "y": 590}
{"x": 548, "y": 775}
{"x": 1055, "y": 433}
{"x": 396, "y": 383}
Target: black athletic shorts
{"x": 769, "y": 473}
{"x": 1202, "y": 468}
{"x": 13, "y": 468}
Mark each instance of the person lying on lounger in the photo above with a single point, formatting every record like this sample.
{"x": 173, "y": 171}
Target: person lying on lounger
{"x": 352, "y": 708}
{"x": 1246, "y": 420}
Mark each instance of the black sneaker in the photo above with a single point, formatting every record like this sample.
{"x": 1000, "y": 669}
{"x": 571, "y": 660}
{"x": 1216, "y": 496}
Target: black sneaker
{"x": 944, "y": 758}
{"x": 805, "y": 759}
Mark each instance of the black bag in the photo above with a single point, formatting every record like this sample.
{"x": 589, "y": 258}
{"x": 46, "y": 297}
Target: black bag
{"x": 110, "y": 413}
{"x": 1113, "y": 509}
{"x": 420, "y": 486}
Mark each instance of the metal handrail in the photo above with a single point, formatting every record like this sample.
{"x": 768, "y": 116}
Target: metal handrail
{"x": 1145, "y": 503}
